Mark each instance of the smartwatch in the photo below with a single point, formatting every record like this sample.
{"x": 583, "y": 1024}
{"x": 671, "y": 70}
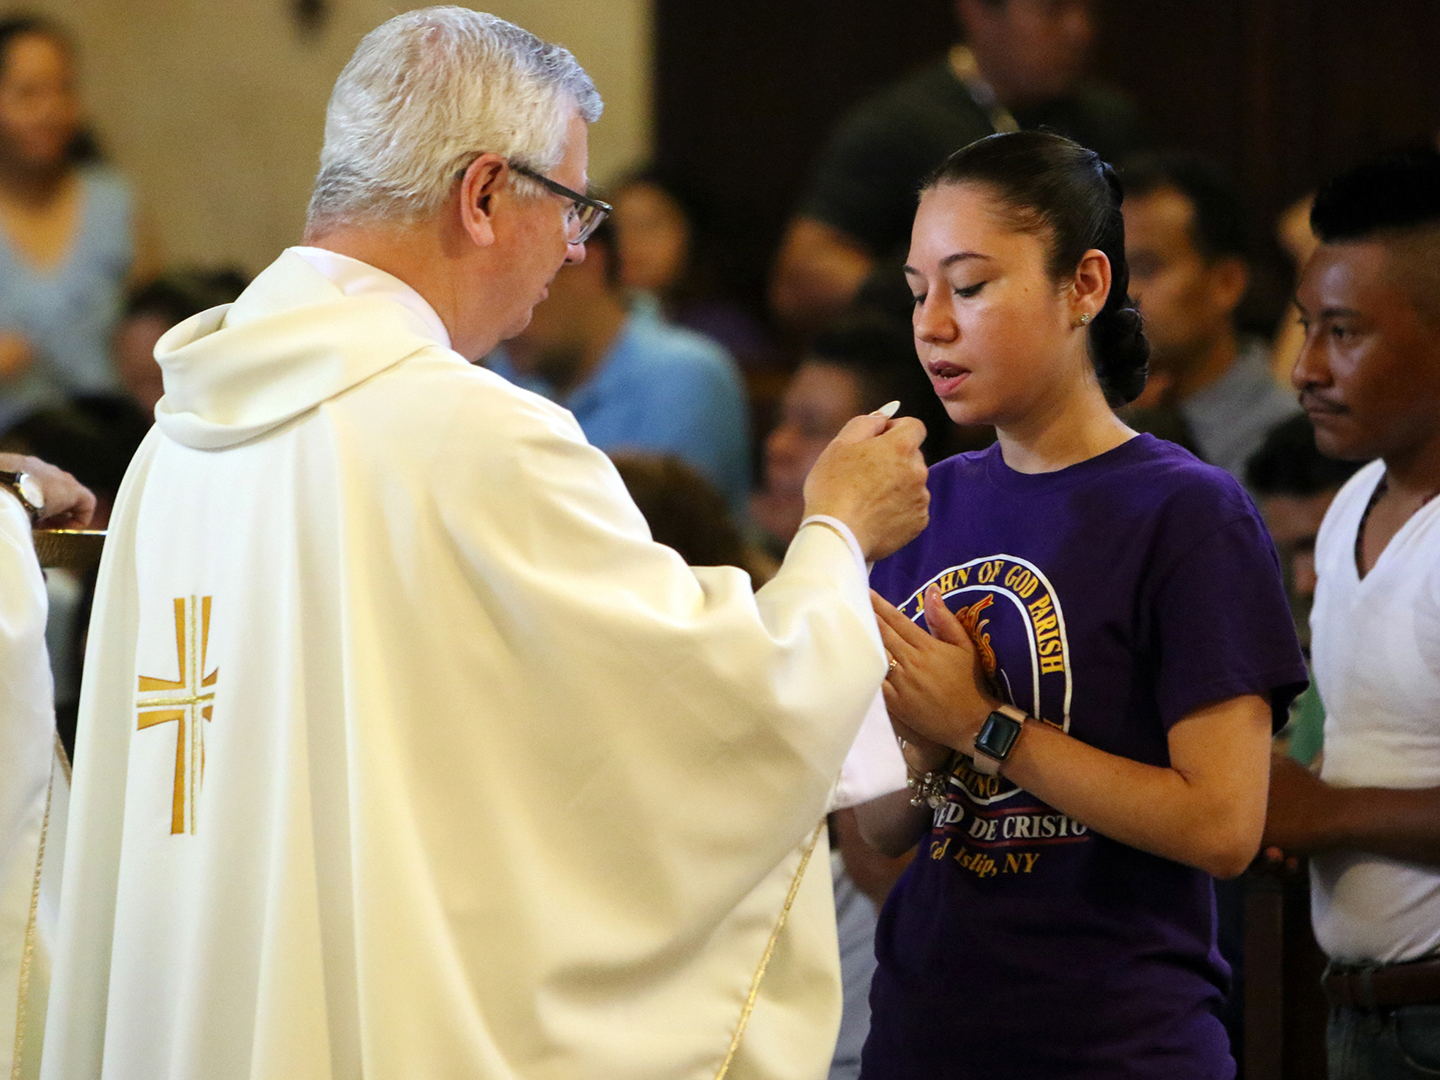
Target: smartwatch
{"x": 997, "y": 738}
{"x": 27, "y": 489}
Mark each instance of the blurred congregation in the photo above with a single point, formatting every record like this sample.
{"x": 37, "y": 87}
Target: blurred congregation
{"x": 745, "y": 298}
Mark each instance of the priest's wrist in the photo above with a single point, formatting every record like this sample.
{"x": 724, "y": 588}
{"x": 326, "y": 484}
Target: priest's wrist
{"x": 840, "y": 514}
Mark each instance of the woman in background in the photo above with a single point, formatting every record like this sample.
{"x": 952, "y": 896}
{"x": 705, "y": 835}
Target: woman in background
{"x": 66, "y": 230}
{"x": 668, "y": 255}
{"x": 1088, "y": 717}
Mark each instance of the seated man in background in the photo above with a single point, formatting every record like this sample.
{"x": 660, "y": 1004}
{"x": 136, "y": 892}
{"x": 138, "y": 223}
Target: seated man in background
{"x": 1369, "y": 376}
{"x": 633, "y": 381}
{"x": 34, "y": 785}
{"x": 1185, "y": 242}
{"x": 1022, "y": 66}
{"x": 672, "y": 253}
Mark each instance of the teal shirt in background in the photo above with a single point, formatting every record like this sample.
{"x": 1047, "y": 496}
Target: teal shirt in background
{"x": 1306, "y": 732}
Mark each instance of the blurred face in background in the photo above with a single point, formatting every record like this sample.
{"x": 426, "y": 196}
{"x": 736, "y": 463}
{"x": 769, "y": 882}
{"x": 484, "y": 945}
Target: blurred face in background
{"x": 575, "y": 323}
{"x": 819, "y": 401}
{"x": 135, "y": 340}
{"x": 553, "y": 344}
{"x": 1294, "y": 522}
{"x": 1292, "y": 230}
{"x": 1032, "y": 51}
{"x": 1186, "y": 297}
{"x": 39, "y": 103}
{"x": 652, "y": 236}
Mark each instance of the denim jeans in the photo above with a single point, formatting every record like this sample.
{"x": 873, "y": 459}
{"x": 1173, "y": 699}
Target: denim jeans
{"x": 1398, "y": 1044}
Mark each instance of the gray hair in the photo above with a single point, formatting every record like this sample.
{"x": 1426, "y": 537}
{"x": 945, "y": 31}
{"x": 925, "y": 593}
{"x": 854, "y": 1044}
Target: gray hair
{"x": 424, "y": 94}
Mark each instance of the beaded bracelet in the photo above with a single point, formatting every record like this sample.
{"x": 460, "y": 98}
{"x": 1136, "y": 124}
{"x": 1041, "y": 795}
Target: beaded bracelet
{"x": 929, "y": 789}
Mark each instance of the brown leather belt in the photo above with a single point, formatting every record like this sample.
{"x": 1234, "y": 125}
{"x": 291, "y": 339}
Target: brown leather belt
{"x": 1389, "y": 986}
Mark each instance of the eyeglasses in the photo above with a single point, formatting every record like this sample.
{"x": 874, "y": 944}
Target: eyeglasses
{"x": 584, "y": 215}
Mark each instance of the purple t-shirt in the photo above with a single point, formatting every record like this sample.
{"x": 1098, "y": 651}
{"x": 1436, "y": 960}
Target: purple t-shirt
{"x": 1112, "y": 598}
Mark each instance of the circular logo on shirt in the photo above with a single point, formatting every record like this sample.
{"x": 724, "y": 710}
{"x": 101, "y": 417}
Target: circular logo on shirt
{"x": 1016, "y": 622}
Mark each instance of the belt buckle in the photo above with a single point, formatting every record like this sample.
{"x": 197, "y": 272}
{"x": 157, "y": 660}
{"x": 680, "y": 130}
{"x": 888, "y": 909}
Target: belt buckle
{"x": 1355, "y": 984}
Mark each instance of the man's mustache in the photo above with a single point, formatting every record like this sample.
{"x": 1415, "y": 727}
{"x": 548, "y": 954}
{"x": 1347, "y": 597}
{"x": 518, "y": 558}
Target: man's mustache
{"x": 1312, "y": 401}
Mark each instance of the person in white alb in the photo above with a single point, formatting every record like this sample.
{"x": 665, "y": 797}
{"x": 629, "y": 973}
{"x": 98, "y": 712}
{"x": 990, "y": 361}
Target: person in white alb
{"x": 33, "y": 781}
{"x": 403, "y": 751}
{"x": 1369, "y": 376}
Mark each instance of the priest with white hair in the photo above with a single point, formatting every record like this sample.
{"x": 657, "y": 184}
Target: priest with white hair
{"x": 404, "y": 752}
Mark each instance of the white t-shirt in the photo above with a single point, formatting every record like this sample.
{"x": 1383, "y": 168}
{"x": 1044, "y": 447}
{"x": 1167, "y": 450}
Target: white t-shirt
{"x": 1376, "y": 652}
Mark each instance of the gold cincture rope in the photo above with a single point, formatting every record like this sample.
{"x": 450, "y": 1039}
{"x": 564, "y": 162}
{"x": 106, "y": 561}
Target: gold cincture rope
{"x": 769, "y": 951}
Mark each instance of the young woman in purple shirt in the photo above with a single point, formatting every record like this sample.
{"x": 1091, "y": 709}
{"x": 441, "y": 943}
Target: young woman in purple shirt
{"x": 1090, "y": 649}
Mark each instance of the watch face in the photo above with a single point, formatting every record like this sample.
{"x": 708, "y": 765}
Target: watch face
{"x": 31, "y": 490}
{"x": 997, "y": 735}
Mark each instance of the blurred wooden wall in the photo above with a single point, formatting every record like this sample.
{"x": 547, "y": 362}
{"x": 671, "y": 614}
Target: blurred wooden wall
{"x": 215, "y": 111}
{"x": 1282, "y": 92}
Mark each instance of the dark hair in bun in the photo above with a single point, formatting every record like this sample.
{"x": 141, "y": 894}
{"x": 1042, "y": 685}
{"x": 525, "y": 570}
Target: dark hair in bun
{"x": 1057, "y": 189}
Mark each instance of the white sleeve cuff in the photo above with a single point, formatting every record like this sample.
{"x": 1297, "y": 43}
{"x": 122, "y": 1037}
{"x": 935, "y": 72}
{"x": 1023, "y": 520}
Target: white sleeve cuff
{"x": 826, "y": 521}
{"x": 874, "y": 766}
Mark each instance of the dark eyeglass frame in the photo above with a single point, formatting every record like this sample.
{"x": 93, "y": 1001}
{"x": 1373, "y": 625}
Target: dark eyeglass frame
{"x": 588, "y": 213}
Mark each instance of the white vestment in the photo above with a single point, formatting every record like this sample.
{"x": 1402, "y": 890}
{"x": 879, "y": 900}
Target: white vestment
{"x": 404, "y": 753}
{"x": 34, "y": 792}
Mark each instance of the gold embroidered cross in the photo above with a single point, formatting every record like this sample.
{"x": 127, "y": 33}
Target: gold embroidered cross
{"x": 190, "y": 697}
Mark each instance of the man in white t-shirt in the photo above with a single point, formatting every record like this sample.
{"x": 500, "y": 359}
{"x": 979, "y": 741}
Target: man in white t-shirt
{"x": 1369, "y": 377}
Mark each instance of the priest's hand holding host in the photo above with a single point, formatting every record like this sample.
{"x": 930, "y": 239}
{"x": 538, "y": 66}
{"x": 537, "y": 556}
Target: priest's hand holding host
{"x": 872, "y": 477}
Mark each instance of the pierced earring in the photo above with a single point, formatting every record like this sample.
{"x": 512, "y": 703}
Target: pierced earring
{"x": 1084, "y": 319}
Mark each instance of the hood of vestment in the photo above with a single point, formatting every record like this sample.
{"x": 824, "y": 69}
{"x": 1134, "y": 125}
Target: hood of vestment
{"x": 290, "y": 342}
